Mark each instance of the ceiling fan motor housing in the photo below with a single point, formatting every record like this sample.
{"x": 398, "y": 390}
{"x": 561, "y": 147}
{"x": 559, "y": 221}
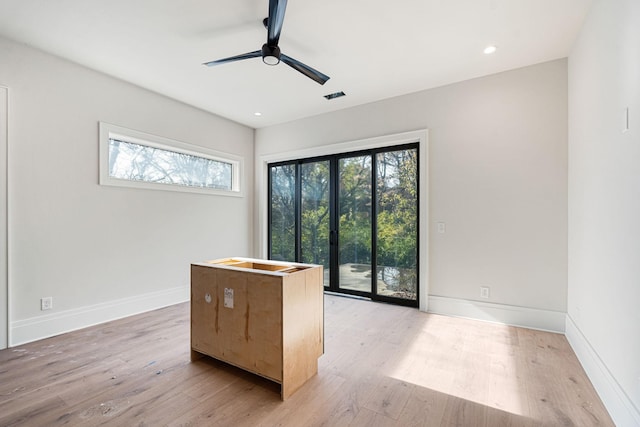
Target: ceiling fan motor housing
{"x": 270, "y": 54}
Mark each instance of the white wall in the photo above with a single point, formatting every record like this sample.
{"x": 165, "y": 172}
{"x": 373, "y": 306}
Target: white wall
{"x": 99, "y": 251}
{"x": 604, "y": 204}
{"x": 4, "y": 315}
{"x": 498, "y": 178}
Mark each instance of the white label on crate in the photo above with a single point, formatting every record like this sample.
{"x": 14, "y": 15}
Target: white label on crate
{"x": 228, "y": 297}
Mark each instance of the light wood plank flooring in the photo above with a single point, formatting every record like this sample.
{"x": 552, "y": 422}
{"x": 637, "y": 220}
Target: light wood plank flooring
{"x": 383, "y": 365}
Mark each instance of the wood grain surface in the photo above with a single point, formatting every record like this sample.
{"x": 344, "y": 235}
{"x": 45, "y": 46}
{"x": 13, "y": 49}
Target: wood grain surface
{"x": 383, "y": 365}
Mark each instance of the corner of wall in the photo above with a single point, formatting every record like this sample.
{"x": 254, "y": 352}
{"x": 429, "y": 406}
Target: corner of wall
{"x": 620, "y": 407}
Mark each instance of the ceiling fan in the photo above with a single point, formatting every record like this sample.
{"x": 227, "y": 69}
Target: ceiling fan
{"x": 270, "y": 51}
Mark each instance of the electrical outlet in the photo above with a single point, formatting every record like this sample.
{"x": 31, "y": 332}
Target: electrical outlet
{"x": 484, "y": 292}
{"x": 46, "y": 303}
{"x": 442, "y": 227}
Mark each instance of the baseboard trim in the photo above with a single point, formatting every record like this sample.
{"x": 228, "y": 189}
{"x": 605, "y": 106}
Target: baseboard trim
{"x": 620, "y": 407}
{"x": 56, "y": 323}
{"x": 532, "y": 318}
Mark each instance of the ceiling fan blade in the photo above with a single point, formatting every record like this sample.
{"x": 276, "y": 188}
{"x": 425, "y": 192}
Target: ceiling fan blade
{"x": 276, "y": 19}
{"x": 249, "y": 55}
{"x": 304, "y": 69}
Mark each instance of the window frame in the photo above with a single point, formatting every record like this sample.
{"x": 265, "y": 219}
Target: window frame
{"x": 334, "y": 197}
{"x": 421, "y": 136}
{"x": 108, "y": 131}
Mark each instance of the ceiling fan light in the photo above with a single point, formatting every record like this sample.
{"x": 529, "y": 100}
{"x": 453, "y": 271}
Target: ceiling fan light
{"x": 270, "y": 54}
{"x": 270, "y": 60}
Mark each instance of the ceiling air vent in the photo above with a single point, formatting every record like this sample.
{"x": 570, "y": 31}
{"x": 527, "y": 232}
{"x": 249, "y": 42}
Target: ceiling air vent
{"x": 335, "y": 95}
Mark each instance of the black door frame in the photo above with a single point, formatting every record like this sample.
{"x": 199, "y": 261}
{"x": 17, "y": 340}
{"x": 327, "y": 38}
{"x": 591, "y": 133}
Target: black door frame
{"x": 334, "y": 225}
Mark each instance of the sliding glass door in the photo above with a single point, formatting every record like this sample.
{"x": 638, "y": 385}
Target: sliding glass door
{"x": 314, "y": 215}
{"x": 354, "y": 224}
{"x": 396, "y": 209}
{"x": 282, "y": 213}
{"x": 356, "y": 214}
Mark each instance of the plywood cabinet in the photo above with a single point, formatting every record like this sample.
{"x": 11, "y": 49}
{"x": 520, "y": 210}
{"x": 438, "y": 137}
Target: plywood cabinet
{"x": 263, "y": 316}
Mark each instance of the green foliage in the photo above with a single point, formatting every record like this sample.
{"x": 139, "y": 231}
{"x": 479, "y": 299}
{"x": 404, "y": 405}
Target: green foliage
{"x": 395, "y": 213}
{"x": 355, "y": 210}
{"x": 315, "y": 213}
{"x": 397, "y": 210}
{"x": 282, "y": 224}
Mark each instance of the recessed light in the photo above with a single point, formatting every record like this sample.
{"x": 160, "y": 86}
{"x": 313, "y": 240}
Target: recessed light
{"x": 489, "y": 50}
{"x": 257, "y": 114}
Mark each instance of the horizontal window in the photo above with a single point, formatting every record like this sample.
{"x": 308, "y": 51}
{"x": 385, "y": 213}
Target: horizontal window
{"x": 137, "y": 162}
{"x": 133, "y": 159}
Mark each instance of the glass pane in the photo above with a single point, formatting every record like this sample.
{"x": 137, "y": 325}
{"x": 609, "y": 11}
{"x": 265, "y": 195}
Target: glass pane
{"x": 397, "y": 223}
{"x": 315, "y": 215}
{"x": 282, "y": 226}
{"x": 136, "y": 162}
{"x": 354, "y": 201}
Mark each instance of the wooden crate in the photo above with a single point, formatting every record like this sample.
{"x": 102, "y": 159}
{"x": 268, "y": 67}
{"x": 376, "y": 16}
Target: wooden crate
{"x": 266, "y": 317}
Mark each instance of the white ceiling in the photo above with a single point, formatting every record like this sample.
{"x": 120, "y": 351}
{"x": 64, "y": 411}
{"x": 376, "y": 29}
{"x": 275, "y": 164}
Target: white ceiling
{"x": 371, "y": 49}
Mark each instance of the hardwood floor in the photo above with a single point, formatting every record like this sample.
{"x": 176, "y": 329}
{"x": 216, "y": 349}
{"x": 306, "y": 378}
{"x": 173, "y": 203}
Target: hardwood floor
{"x": 383, "y": 365}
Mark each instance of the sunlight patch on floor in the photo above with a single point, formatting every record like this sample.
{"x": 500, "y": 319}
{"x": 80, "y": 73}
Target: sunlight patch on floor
{"x": 488, "y": 378}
